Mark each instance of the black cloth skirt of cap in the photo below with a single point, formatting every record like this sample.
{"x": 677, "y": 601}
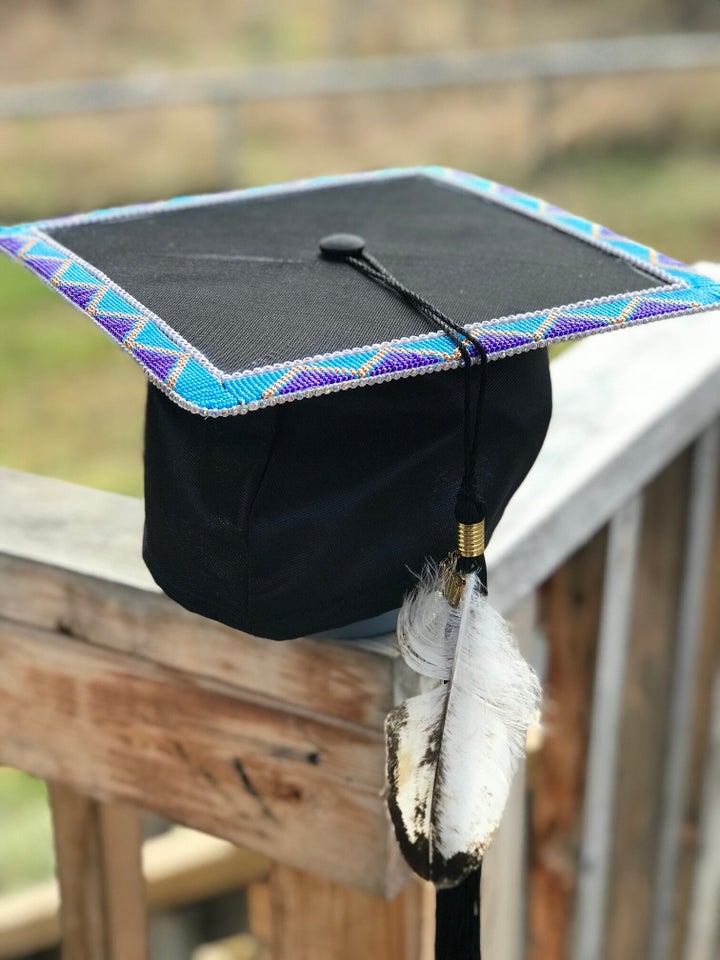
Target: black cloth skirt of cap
{"x": 309, "y": 516}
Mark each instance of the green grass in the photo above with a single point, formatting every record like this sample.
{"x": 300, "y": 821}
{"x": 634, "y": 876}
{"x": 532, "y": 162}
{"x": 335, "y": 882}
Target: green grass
{"x": 26, "y": 853}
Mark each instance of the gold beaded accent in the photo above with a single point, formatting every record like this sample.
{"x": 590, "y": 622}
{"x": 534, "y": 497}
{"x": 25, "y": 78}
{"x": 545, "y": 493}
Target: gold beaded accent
{"x": 453, "y": 583}
{"x": 471, "y": 539}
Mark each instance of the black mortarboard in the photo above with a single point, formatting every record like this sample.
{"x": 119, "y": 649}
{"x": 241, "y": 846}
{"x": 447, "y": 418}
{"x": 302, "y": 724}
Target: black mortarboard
{"x": 307, "y": 516}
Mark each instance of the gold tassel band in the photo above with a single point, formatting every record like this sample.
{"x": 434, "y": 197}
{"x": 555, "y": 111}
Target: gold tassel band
{"x": 471, "y": 543}
{"x": 471, "y": 539}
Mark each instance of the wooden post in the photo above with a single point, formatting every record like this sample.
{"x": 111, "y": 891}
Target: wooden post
{"x": 601, "y": 779}
{"x": 687, "y": 657}
{"x": 503, "y": 900}
{"x": 693, "y": 922}
{"x": 102, "y": 894}
{"x": 646, "y": 701}
{"x": 571, "y": 601}
{"x": 315, "y": 919}
{"x": 703, "y": 926}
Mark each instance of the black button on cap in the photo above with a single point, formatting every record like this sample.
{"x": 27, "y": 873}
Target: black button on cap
{"x": 338, "y": 246}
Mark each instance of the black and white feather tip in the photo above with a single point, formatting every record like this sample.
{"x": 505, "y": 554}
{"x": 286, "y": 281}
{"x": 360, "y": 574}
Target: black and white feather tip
{"x": 452, "y": 752}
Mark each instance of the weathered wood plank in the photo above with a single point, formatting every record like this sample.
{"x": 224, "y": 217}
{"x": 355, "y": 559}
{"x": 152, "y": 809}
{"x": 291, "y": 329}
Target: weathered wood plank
{"x": 316, "y": 676}
{"x": 73, "y": 528}
{"x": 313, "y": 919}
{"x": 570, "y": 602}
{"x": 601, "y": 778}
{"x": 102, "y": 894}
{"x": 117, "y": 728}
{"x": 645, "y": 714}
{"x": 688, "y": 642}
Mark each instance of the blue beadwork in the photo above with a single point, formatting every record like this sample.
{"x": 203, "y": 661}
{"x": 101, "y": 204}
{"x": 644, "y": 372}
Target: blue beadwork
{"x": 193, "y": 382}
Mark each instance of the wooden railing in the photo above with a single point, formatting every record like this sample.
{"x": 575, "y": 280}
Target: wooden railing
{"x": 229, "y": 91}
{"x": 577, "y": 59}
{"x": 607, "y": 561}
{"x": 181, "y": 867}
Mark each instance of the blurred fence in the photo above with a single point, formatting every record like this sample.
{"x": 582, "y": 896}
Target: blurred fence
{"x": 226, "y": 90}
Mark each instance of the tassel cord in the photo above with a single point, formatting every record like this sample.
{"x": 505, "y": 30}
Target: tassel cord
{"x": 469, "y": 506}
{"x": 469, "y": 347}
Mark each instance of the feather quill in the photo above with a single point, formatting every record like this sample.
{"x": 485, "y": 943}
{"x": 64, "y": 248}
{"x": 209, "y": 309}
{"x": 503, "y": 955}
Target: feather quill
{"x": 452, "y": 752}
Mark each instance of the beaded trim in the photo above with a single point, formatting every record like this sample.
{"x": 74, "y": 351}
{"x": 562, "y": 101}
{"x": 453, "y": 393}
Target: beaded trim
{"x": 193, "y": 382}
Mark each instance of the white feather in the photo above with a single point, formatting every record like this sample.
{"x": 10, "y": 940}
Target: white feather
{"x": 427, "y": 628}
{"x": 452, "y": 751}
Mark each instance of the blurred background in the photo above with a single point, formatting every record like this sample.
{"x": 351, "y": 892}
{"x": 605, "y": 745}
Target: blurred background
{"x": 609, "y": 109}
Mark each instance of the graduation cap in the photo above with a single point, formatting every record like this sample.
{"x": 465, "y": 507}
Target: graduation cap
{"x": 319, "y": 508}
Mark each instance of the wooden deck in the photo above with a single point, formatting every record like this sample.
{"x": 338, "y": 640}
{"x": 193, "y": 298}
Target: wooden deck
{"x": 123, "y": 701}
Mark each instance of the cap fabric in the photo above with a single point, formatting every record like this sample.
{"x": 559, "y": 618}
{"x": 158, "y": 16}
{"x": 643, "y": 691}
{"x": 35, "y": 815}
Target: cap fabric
{"x": 306, "y": 517}
{"x": 301, "y": 518}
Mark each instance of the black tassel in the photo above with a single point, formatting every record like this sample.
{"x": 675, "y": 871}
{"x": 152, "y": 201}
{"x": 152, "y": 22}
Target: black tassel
{"x": 457, "y": 920}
